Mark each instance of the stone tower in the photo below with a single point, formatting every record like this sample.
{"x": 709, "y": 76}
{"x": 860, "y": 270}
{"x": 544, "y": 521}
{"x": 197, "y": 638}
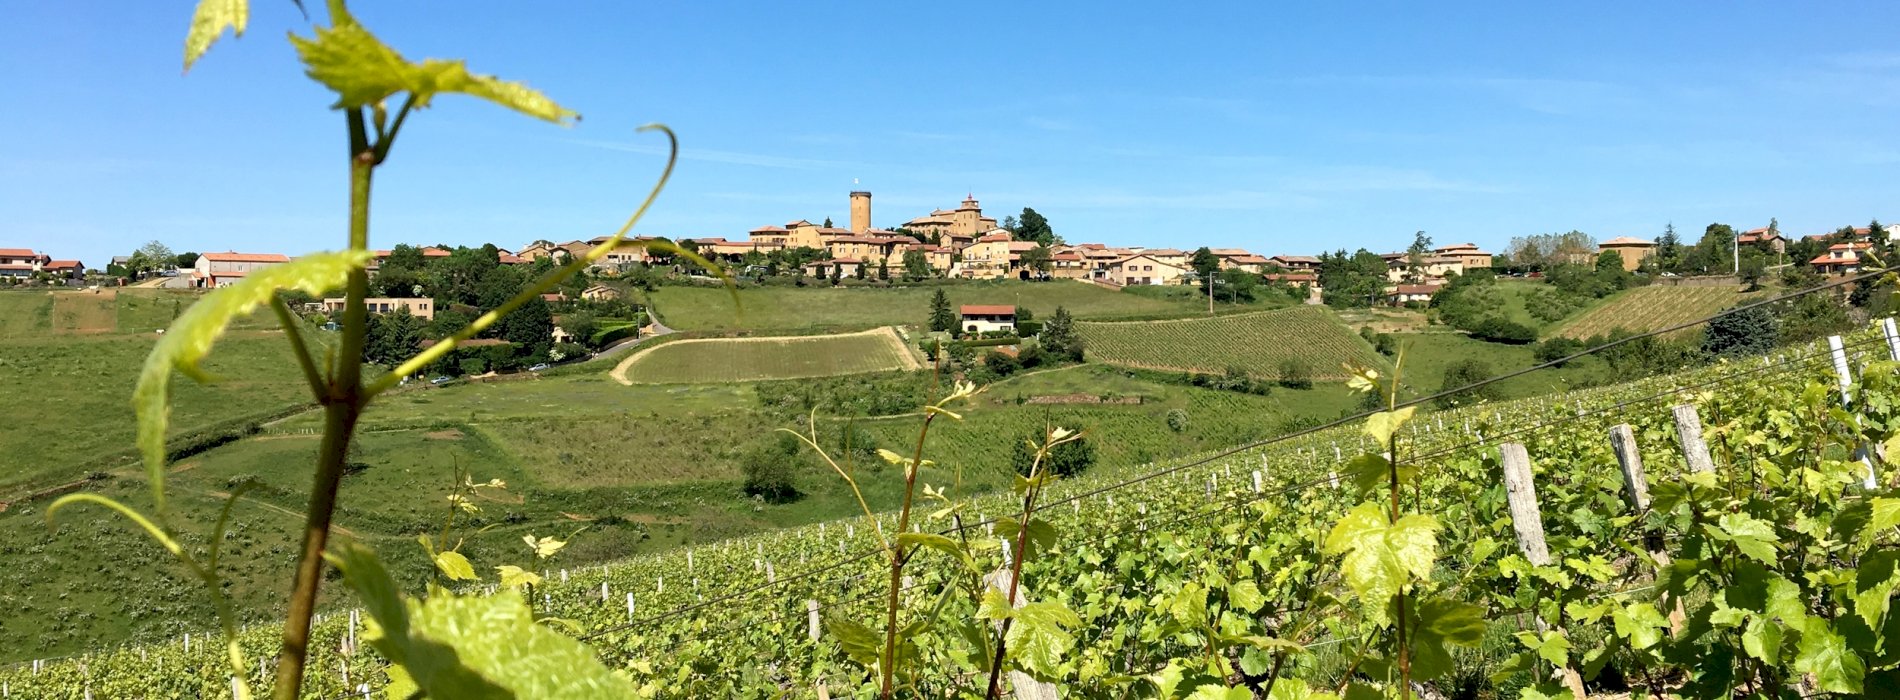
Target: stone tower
{"x": 860, "y": 211}
{"x": 968, "y": 218}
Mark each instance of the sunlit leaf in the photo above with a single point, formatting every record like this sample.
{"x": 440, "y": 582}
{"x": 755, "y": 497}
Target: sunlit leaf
{"x": 516, "y": 577}
{"x": 198, "y": 328}
{"x": 455, "y": 566}
{"x": 1824, "y": 653}
{"x": 208, "y": 23}
{"x": 363, "y": 71}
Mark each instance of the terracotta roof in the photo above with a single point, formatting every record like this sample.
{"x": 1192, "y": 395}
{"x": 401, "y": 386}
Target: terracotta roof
{"x": 1416, "y": 289}
{"x": 1461, "y": 247}
{"x": 798, "y": 223}
{"x": 1626, "y": 240}
{"x": 1163, "y": 251}
{"x": 1251, "y": 260}
{"x": 554, "y": 296}
{"x": 510, "y": 259}
{"x": 18, "y": 253}
{"x": 768, "y": 229}
{"x": 1825, "y": 260}
{"x": 835, "y": 230}
{"x": 987, "y": 310}
{"x": 1016, "y": 246}
{"x": 245, "y": 257}
{"x": 1071, "y": 255}
{"x": 64, "y": 264}
{"x": 1296, "y": 259}
{"x": 1228, "y": 252}
{"x": 988, "y": 237}
{"x": 1856, "y": 245}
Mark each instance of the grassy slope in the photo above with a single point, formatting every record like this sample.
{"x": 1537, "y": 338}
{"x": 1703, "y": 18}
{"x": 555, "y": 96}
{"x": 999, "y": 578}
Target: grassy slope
{"x": 67, "y": 396}
{"x": 753, "y": 359}
{"x": 642, "y": 468}
{"x": 700, "y": 308}
{"x": 1257, "y": 343}
{"x": 1428, "y": 355}
{"x": 1649, "y": 308}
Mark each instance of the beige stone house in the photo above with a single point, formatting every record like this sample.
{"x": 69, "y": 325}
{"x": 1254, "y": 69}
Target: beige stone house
{"x": 1143, "y": 270}
{"x": 420, "y": 307}
{"x": 224, "y": 269}
{"x": 1631, "y": 249}
{"x": 984, "y": 318}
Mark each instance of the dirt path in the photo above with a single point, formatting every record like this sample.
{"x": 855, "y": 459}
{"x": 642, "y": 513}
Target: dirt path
{"x": 294, "y": 515}
{"x": 619, "y": 372}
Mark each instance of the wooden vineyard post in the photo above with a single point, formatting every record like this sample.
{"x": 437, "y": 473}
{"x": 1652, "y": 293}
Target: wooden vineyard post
{"x": 1025, "y": 685}
{"x": 1846, "y": 377}
{"x": 1636, "y": 490}
{"x": 1521, "y": 490}
{"x": 1695, "y": 452}
{"x": 1892, "y": 334}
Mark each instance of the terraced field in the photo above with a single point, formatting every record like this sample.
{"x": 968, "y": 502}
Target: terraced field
{"x": 715, "y": 360}
{"x": 1648, "y": 308}
{"x": 1257, "y": 343}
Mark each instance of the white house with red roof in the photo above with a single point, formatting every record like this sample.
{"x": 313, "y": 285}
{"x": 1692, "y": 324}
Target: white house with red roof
{"x": 227, "y": 268}
{"x": 21, "y": 262}
{"x": 983, "y": 318}
{"x": 1840, "y": 258}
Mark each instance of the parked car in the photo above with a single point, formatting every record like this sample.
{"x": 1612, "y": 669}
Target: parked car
{"x": 441, "y": 380}
{"x": 538, "y": 367}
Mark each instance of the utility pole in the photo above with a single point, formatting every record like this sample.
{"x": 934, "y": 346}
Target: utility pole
{"x": 1210, "y": 295}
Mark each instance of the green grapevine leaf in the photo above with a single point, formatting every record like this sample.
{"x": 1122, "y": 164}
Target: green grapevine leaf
{"x": 1440, "y": 623}
{"x": 1786, "y": 602}
{"x": 516, "y": 577}
{"x": 1039, "y": 638}
{"x": 1217, "y": 692}
{"x": 209, "y": 21}
{"x": 192, "y": 335}
{"x": 1380, "y": 559}
{"x": 1382, "y": 425}
{"x": 363, "y": 71}
{"x": 1823, "y": 652}
{"x": 1874, "y": 584}
{"x": 1753, "y": 537}
{"x": 1762, "y": 639}
{"x": 1042, "y": 535}
{"x": 1640, "y": 623}
{"x": 432, "y": 665}
{"x": 455, "y": 566}
{"x": 1245, "y": 596}
{"x": 1551, "y": 646}
{"x": 859, "y": 642}
{"x": 942, "y": 544}
{"x": 1295, "y": 689}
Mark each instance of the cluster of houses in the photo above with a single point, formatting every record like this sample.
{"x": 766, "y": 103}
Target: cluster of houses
{"x": 24, "y": 263}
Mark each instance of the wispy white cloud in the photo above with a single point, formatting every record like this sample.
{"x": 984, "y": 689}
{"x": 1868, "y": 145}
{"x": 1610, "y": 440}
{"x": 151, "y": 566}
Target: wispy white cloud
{"x": 718, "y": 156}
{"x": 1048, "y": 124}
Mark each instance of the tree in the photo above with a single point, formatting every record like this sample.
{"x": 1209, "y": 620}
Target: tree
{"x": 1295, "y": 373}
{"x": 186, "y": 259}
{"x": 1415, "y": 257}
{"x": 884, "y": 268}
{"x": 1010, "y": 225}
{"x": 1059, "y": 337}
{"x": 942, "y": 320}
{"x": 1669, "y": 249}
{"x": 1038, "y": 259}
{"x": 391, "y": 338}
{"x": 1746, "y": 331}
{"x": 530, "y": 327}
{"x": 827, "y": 222}
{"x": 1033, "y": 227}
{"x": 156, "y": 255}
{"x": 769, "y": 467}
{"x": 1465, "y": 373}
{"x": 1065, "y": 460}
{"x": 1204, "y": 262}
{"x": 916, "y": 265}
{"x": 1237, "y": 285}
{"x": 1002, "y": 363}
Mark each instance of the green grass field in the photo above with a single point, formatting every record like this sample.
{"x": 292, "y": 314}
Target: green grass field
{"x": 1649, "y": 308}
{"x": 1428, "y": 355}
{"x": 1257, "y": 343}
{"x": 824, "y": 307}
{"x": 70, "y": 360}
{"x": 721, "y": 360}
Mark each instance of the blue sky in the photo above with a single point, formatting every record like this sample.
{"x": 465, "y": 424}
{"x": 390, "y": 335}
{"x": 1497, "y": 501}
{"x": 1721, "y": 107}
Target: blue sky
{"x": 1280, "y": 127}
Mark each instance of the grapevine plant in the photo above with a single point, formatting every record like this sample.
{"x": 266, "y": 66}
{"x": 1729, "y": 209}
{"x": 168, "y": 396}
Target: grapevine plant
{"x": 442, "y": 644}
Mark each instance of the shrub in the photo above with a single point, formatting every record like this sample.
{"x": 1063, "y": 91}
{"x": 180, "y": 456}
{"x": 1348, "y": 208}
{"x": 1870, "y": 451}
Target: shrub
{"x": 1066, "y": 460}
{"x": 1558, "y": 348}
{"x": 1295, "y": 373}
{"x": 1177, "y": 420}
{"x": 1002, "y": 363}
{"x": 1462, "y": 373}
{"x": 769, "y": 467}
{"x": 1498, "y": 329}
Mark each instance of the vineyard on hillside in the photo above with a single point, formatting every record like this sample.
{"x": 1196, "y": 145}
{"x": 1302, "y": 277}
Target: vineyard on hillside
{"x": 1258, "y": 343}
{"x": 720, "y": 360}
{"x": 1645, "y": 309}
{"x": 1705, "y": 534}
